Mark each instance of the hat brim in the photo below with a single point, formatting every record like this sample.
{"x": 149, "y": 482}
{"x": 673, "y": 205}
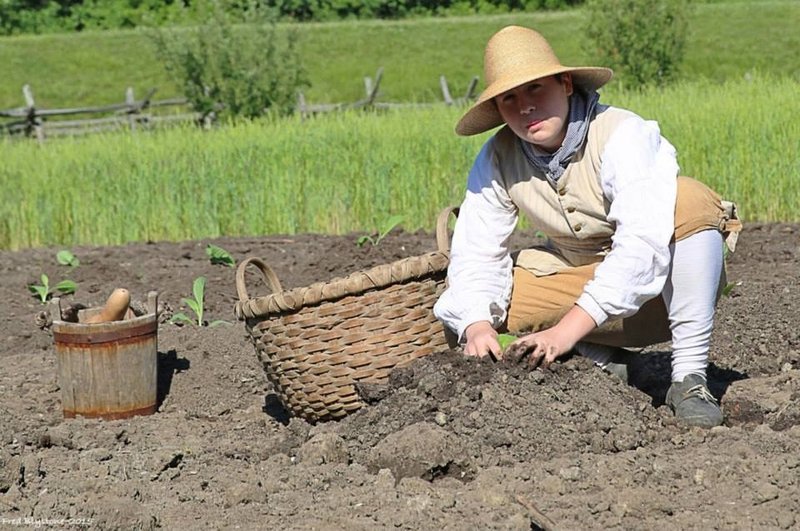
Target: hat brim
{"x": 483, "y": 115}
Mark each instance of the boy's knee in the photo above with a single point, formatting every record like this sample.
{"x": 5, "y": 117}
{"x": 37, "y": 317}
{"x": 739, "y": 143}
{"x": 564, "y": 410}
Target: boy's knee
{"x": 697, "y": 208}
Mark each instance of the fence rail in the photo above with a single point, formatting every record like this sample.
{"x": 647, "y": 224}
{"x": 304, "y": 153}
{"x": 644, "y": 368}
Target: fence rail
{"x": 370, "y": 101}
{"x": 34, "y": 122}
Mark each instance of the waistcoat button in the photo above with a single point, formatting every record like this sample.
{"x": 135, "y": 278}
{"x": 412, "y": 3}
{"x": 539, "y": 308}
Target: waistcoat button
{"x": 578, "y": 227}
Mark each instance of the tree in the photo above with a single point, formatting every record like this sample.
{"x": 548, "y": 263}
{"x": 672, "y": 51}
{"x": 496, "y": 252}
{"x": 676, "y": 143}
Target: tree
{"x": 643, "y": 39}
{"x": 244, "y": 70}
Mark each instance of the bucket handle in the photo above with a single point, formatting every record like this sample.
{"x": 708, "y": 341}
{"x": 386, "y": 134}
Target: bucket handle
{"x": 268, "y": 276}
{"x": 152, "y": 302}
{"x": 442, "y": 235}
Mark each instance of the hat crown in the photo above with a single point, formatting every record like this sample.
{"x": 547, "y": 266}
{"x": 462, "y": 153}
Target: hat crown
{"x": 514, "y": 49}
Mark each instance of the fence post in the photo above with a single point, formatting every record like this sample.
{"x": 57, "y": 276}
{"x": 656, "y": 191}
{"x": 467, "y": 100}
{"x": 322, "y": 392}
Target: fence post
{"x": 372, "y": 88}
{"x": 142, "y": 116}
{"x": 301, "y": 105}
{"x": 208, "y": 120}
{"x": 130, "y": 101}
{"x": 367, "y": 85}
{"x": 34, "y": 126}
{"x": 471, "y": 88}
{"x": 448, "y": 99}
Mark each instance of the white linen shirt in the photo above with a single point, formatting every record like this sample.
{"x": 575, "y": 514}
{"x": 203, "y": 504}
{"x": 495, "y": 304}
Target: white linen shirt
{"x": 638, "y": 178}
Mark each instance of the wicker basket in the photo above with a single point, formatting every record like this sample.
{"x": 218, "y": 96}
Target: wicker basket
{"x": 316, "y": 342}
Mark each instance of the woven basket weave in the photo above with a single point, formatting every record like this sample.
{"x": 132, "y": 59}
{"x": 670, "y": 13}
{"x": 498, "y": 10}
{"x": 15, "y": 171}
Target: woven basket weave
{"x": 316, "y": 342}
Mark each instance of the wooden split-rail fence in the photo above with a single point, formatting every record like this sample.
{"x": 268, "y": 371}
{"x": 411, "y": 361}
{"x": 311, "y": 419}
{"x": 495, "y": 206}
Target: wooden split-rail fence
{"x": 132, "y": 114}
{"x": 370, "y": 101}
{"x": 35, "y": 122}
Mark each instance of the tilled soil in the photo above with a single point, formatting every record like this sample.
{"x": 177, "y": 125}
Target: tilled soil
{"x": 448, "y": 443}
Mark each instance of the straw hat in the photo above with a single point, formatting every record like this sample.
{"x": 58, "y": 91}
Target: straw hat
{"x": 514, "y": 56}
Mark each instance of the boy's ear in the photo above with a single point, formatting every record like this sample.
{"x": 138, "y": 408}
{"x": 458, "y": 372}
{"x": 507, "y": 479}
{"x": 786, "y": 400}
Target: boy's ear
{"x": 566, "y": 80}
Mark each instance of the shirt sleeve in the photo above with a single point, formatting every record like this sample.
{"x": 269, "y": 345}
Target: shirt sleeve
{"x": 479, "y": 275}
{"x": 639, "y": 178}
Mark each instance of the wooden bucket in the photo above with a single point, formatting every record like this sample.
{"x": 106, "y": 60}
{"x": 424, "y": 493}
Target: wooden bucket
{"x": 107, "y": 370}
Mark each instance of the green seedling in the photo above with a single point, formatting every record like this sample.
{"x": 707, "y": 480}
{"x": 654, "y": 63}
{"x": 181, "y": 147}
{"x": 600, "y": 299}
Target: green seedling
{"x": 197, "y": 306}
{"x": 505, "y": 340}
{"x": 66, "y": 257}
{"x": 43, "y": 291}
{"x": 385, "y": 229}
{"x": 218, "y": 255}
{"x": 727, "y": 291}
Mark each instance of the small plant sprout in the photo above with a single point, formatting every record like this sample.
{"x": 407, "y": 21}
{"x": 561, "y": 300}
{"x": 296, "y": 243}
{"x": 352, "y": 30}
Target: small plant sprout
{"x": 385, "y": 229}
{"x": 218, "y": 255}
{"x": 505, "y": 340}
{"x": 66, "y": 257}
{"x": 43, "y": 291}
{"x": 727, "y": 291}
{"x": 197, "y": 306}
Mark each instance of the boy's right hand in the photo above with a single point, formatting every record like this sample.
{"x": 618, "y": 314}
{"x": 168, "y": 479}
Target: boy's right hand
{"x": 482, "y": 340}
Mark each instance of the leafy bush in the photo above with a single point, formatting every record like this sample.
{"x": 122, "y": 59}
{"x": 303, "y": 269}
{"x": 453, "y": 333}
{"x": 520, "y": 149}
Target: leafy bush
{"x": 642, "y": 39}
{"x": 19, "y": 16}
{"x": 112, "y": 14}
{"x": 242, "y": 70}
{"x": 48, "y": 16}
{"x": 304, "y": 10}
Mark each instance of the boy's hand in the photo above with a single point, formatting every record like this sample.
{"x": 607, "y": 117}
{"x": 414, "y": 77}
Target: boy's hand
{"x": 482, "y": 340}
{"x": 545, "y": 346}
{"x": 541, "y": 348}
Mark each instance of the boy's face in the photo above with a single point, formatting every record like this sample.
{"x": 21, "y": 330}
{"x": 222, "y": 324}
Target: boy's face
{"x": 537, "y": 111}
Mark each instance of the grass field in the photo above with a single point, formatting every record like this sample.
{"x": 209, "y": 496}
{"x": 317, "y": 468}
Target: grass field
{"x": 734, "y": 118}
{"x": 727, "y": 40}
{"x": 351, "y": 171}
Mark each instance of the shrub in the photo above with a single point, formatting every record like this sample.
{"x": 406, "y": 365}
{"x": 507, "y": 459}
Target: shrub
{"x": 47, "y": 16}
{"x": 111, "y": 14}
{"x": 17, "y": 16}
{"x": 243, "y": 70}
{"x": 642, "y": 39}
{"x": 304, "y": 10}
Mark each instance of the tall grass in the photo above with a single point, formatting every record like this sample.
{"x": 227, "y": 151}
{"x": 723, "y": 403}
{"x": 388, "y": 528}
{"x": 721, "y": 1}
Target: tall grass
{"x": 726, "y": 40}
{"x": 742, "y": 138}
{"x": 349, "y": 172}
{"x": 333, "y": 174}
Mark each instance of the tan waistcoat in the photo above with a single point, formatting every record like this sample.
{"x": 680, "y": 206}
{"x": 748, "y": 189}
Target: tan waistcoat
{"x": 574, "y": 214}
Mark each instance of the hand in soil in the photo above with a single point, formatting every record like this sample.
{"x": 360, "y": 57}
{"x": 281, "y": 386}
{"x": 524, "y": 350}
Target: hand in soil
{"x": 527, "y": 349}
{"x": 546, "y": 346}
{"x": 538, "y": 349}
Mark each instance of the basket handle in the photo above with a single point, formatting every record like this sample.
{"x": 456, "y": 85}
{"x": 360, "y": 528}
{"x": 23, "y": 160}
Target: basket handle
{"x": 442, "y": 236}
{"x": 269, "y": 277}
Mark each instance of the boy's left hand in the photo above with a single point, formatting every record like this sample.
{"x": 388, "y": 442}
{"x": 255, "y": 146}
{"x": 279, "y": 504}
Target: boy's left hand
{"x": 541, "y": 347}
{"x": 546, "y": 346}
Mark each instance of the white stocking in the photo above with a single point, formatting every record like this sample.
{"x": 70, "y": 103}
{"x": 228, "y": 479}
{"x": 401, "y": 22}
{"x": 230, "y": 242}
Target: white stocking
{"x": 690, "y": 295}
